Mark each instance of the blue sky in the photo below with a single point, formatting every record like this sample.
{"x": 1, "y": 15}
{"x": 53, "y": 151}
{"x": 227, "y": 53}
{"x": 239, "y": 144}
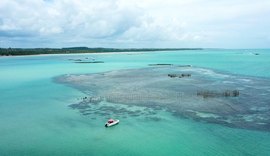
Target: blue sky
{"x": 135, "y": 23}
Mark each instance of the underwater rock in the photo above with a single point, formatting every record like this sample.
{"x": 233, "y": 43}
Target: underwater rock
{"x": 81, "y": 59}
{"x": 80, "y": 105}
{"x": 161, "y": 64}
{"x": 184, "y": 65}
{"x": 167, "y": 64}
{"x": 172, "y": 75}
{"x": 75, "y": 59}
{"x": 89, "y": 62}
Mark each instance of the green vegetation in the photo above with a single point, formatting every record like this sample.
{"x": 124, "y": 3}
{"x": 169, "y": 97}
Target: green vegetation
{"x": 36, "y": 51}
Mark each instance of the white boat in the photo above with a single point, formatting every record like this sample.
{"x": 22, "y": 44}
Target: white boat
{"x": 111, "y": 122}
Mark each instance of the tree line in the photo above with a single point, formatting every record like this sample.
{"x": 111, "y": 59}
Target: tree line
{"x": 36, "y": 51}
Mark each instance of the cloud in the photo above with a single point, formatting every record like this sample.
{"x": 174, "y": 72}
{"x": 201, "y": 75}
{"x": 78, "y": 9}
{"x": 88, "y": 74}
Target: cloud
{"x": 140, "y": 23}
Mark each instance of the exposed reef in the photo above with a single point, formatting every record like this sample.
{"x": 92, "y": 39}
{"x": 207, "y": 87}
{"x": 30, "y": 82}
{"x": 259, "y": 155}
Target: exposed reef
{"x": 209, "y": 96}
{"x": 179, "y": 75}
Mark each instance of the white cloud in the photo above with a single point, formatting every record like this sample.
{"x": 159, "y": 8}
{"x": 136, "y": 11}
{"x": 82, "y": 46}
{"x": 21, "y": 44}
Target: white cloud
{"x": 142, "y": 23}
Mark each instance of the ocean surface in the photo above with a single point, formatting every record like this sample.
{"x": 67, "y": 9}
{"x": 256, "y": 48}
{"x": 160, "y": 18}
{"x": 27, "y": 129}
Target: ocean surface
{"x": 36, "y": 117}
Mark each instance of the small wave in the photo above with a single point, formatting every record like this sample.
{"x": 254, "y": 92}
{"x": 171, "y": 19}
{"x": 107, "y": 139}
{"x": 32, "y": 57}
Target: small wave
{"x": 210, "y": 72}
{"x": 245, "y": 80}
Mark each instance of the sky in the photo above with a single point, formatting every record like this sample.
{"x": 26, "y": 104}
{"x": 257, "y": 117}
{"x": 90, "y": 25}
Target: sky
{"x": 135, "y": 23}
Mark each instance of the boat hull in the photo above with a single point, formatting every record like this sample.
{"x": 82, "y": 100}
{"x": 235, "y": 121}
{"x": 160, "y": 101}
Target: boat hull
{"x": 112, "y": 124}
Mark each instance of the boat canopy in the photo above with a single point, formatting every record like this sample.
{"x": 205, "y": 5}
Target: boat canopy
{"x": 110, "y": 121}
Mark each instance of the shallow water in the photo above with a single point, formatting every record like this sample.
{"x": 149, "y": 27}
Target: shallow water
{"x": 35, "y": 117}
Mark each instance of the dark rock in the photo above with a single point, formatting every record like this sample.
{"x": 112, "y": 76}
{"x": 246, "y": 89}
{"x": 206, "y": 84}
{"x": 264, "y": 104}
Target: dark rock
{"x": 179, "y": 75}
{"x": 226, "y": 93}
{"x": 184, "y": 75}
{"x": 172, "y": 75}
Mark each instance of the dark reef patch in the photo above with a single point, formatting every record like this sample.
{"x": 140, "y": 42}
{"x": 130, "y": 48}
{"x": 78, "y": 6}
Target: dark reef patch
{"x": 207, "y": 96}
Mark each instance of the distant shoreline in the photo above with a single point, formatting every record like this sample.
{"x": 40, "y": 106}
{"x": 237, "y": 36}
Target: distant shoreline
{"x": 79, "y": 50}
{"x": 71, "y": 54}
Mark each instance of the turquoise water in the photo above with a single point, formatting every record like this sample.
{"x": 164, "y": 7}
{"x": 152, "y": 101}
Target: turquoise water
{"x": 35, "y": 118}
